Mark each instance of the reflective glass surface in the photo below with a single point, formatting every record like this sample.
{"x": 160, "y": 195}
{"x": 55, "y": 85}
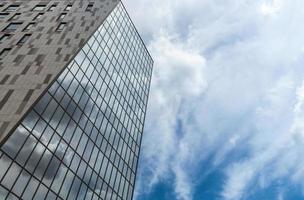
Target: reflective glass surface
{"x": 82, "y": 139}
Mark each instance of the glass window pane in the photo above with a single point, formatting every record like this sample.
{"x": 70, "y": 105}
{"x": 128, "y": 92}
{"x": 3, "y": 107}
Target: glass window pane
{"x": 11, "y": 175}
{"x": 13, "y": 26}
{"x": 26, "y": 150}
{"x": 51, "y": 196}
{"x": 30, "y": 189}
{"x": 41, "y": 192}
{"x": 66, "y": 185}
{"x": 3, "y": 192}
{"x": 15, "y": 141}
{"x": 21, "y": 183}
{"x": 39, "y": 8}
{"x": 34, "y": 158}
{"x": 43, "y": 164}
{"x": 74, "y": 188}
{"x": 59, "y": 178}
{"x": 11, "y": 196}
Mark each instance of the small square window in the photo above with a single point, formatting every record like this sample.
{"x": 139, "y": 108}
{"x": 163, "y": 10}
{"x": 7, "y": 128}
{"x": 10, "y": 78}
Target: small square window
{"x": 62, "y": 16}
{"x": 61, "y": 26}
{"x": 29, "y": 27}
{"x": 68, "y": 8}
{"x": 3, "y": 15}
{"x": 12, "y": 8}
{"x": 4, "y": 53}
{"x": 52, "y": 8}
{"x": 90, "y": 7}
{"x": 39, "y": 8}
{"x": 12, "y": 27}
{"x": 24, "y": 39}
{"x": 38, "y": 16}
{"x": 15, "y": 17}
{"x": 4, "y": 37}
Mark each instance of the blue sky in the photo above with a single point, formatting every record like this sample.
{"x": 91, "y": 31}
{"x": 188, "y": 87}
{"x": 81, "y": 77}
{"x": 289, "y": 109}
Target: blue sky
{"x": 226, "y": 108}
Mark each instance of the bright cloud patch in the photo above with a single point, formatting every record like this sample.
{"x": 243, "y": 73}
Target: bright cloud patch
{"x": 271, "y": 8}
{"x": 178, "y": 76}
{"x": 227, "y": 95}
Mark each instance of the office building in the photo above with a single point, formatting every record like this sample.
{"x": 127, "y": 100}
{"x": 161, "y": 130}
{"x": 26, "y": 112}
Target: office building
{"x": 74, "y": 85}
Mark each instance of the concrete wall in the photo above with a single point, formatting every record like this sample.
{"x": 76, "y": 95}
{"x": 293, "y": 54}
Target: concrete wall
{"x": 28, "y": 69}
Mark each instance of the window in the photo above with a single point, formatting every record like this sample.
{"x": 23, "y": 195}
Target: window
{"x": 39, "y": 8}
{"x": 29, "y": 27}
{"x": 4, "y": 37}
{"x": 62, "y": 16}
{"x": 12, "y": 8}
{"x": 16, "y": 16}
{"x": 24, "y": 39}
{"x": 90, "y": 7}
{"x": 3, "y": 15}
{"x": 61, "y": 26}
{"x": 12, "y": 27}
{"x": 68, "y": 7}
{"x": 38, "y": 16}
{"x": 3, "y": 53}
{"x": 52, "y": 8}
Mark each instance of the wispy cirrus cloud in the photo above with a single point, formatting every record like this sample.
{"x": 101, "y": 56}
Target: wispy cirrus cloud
{"x": 180, "y": 78}
{"x": 227, "y": 92}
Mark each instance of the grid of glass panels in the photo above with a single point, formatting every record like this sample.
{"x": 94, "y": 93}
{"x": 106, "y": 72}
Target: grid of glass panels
{"x": 82, "y": 139}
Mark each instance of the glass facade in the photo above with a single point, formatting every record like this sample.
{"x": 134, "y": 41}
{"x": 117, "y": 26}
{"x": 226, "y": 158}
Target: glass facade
{"x": 82, "y": 138}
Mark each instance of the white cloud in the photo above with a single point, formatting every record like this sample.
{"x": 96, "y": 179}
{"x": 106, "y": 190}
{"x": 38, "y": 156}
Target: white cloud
{"x": 178, "y": 75}
{"x": 272, "y": 7}
{"x": 228, "y": 75}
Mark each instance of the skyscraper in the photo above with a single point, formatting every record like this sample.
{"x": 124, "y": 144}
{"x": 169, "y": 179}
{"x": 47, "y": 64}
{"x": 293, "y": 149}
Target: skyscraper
{"x": 74, "y": 85}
